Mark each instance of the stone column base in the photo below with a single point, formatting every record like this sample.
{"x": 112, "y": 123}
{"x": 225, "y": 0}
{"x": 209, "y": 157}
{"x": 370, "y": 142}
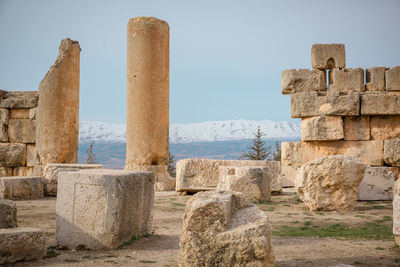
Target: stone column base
{"x": 164, "y": 182}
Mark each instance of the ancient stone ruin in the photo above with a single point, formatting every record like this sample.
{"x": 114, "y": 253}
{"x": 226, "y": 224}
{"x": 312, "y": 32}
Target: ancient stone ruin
{"x": 348, "y": 115}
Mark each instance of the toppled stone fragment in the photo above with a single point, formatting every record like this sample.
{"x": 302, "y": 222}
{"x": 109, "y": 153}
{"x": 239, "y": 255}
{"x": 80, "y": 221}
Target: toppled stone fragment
{"x": 294, "y": 81}
{"x": 375, "y": 79}
{"x": 377, "y": 184}
{"x": 385, "y": 127}
{"x": 393, "y": 79}
{"x": 12, "y": 155}
{"x": 357, "y": 128}
{"x": 21, "y": 187}
{"x": 328, "y": 56}
{"x": 380, "y": 104}
{"x": 391, "y": 152}
{"x": 322, "y": 128}
{"x": 345, "y": 80}
{"x": 8, "y": 214}
{"x": 21, "y": 131}
{"x": 21, "y": 99}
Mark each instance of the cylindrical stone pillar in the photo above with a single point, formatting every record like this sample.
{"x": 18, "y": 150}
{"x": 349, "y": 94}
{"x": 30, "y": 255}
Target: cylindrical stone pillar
{"x": 57, "y": 124}
{"x": 148, "y": 98}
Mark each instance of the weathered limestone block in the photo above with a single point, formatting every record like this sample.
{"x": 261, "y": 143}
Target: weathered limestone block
{"x": 328, "y": 56}
{"x": 253, "y": 182}
{"x": 343, "y": 80}
{"x": 58, "y": 108}
{"x": 224, "y": 229}
{"x": 102, "y": 209}
{"x": 31, "y": 155}
{"x": 396, "y": 211}
{"x": 330, "y": 183}
{"x": 391, "y": 152}
{"x": 377, "y": 184}
{"x": 163, "y": 181}
{"x": 375, "y": 79}
{"x": 22, "y": 244}
{"x": 393, "y": 79}
{"x": 22, "y": 171}
{"x": 357, "y": 128}
{"x": 5, "y": 171}
{"x": 4, "y": 118}
{"x": 380, "y": 104}
{"x": 322, "y": 128}
{"x": 32, "y": 113}
{"x": 12, "y": 155}
{"x": 194, "y": 175}
{"x": 309, "y": 104}
{"x": 8, "y": 214}
{"x": 20, "y": 188}
{"x": 385, "y": 127}
{"x": 51, "y": 171}
{"x": 19, "y": 113}
{"x": 27, "y": 99}
{"x": 294, "y": 81}
{"x": 21, "y": 131}
{"x": 288, "y": 175}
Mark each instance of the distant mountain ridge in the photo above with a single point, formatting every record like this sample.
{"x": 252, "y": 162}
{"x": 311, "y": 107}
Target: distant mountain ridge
{"x": 210, "y": 131}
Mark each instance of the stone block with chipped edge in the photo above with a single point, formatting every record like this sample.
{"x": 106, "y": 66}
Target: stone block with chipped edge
{"x": 391, "y": 152}
{"x": 19, "y": 113}
{"x": 344, "y": 80}
{"x": 392, "y": 77}
{"x": 380, "y": 104}
{"x": 12, "y": 155}
{"x": 51, "y": 171}
{"x": 102, "y": 208}
{"x": 385, "y": 127}
{"x": 4, "y": 118}
{"x": 357, "y": 128}
{"x": 21, "y": 131}
{"x": 21, "y": 188}
{"x": 22, "y": 244}
{"x": 310, "y": 104}
{"x": 20, "y": 99}
{"x": 375, "y": 79}
{"x": 377, "y": 184}
{"x": 328, "y": 56}
{"x": 320, "y": 128}
{"x": 8, "y": 214}
{"x": 301, "y": 80}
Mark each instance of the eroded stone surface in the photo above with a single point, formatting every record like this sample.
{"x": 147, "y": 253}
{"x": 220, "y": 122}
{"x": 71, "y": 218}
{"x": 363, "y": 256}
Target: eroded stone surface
{"x": 163, "y": 181}
{"x": 377, "y": 184}
{"x": 22, "y": 171}
{"x": 322, "y": 128}
{"x": 357, "y": 128}
{"x": 294, "y": 81}
{"x": 21, "y": 99}
{"x": 224, "y": 229}
{"x": 393, "y": 79}
{"x": 391, "y": 152}
{"x": 20, "y": 113}
{"x": 20, "y": 188}
{"x": 21, "y": 131}
{"x": 380, "y": 104}
{"x": 375, "y": 79}
{"x": 343, "y": 80}
{"x": 385, "y": 127}
{"x": 396, "y": 211}
{"x": 8, "y": 214}
{"x": 12, "y": 155}
{"x": 328, "y": 56}
{"x": 330, "y": 183}
{"x": 4, "y": 118}
{"x": 288, "y": 175}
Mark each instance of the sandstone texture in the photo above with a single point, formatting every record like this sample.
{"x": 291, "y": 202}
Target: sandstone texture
{"x": 12, "y": 155}
{"x": 288, "y": 175}
{"x": 396, "y": 211}
{"x": 22, "y": 244}
{"x": 322, "y": 128}
{"x": 22, "y": 99}
{"x": 330, "y": 183}
{"x": 21, "y": 131}
{"x": 224, "y": 229}
{"x": 4, "y": 171}
{"x": 343, "y": 80}
{"x": 380, "y": 104}
{"x": 31, "y": 155}
{"x": 22, "y": 171}
{"x": 4, "y": 118}
{"x": 102, "y": 209}
{"x": 58, "y": 108}
{"x": 309, "y": 104}
{"x": 253, "y": 182}
{"x": 51, "y": 171}
{"x": 385, "y": 127}
{"x": 375, "y": 79}
{"x": 377, "y": 184}
{"x": 357, "y": 128}
{"x": 20, "y": 113}
{"x": 294, "y": 81}
{"x": 8, "y": 214}
{"x": 163, "y": 181}
{"x": 328, "y": 56}
{"x": 20, "y": 188}
{"x": 393, "y": 79}
{"x": 391, "y": 152}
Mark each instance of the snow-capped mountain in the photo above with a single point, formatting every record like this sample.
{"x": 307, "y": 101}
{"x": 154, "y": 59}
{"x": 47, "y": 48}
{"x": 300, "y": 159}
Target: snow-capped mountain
{"x": 195, "y": 132}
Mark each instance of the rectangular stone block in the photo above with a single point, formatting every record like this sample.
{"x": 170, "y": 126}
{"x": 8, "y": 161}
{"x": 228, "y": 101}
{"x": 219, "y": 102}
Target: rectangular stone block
{"x": 22, "y": 244}
{"x": 51, "y": 171}
{"x": 393, "y": 79}
{"x": 12, "y": 155}
{"x": 375, "y": 79}
{"x": 8, "y": 214}
{"x": 310, "y": 104}
{"x": 22, "y": 171}
{"x": 377, "y": 184}
{"x": 4, "y": 118}
{"x": 294, "y": 81}
{"x": 380, "y": 104}
{"x": 385, "y": 127}
{"x": 21, "y": 131}
{"x": 357, "y": 128}
{"x": 21, "y": 99}
{"x": 344, "y": 80}
{"x": 31, "y": 155}
{"x": 102, "y": 209}
{"x": 5, "y": 171}
{"x": 19, "y": 113}
{"x": 328, "y": 56}
{"x": 319, "y": 128}
{"x": 20, "y": 188}
{"x": 391, "y": 152}
{"x": 288, "y": 175}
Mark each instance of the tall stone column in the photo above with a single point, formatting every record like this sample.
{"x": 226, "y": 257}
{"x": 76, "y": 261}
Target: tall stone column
{"x": 58, "y": 109}
{"x": 148, "y": 99}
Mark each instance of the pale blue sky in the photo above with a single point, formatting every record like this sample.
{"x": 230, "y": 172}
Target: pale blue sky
{"x": 226, "y": 57}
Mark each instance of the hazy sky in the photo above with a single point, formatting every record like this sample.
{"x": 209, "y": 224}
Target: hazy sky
{"x": 226, "y": 57}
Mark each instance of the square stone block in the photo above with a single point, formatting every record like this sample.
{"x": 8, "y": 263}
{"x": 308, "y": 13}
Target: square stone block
{"x": 102, "y": 209}
{"x": 380, "y": 104}
{"x": 19, "y": 113}
{"x": 328, "y": 56}
{"x": 322, "y": 128}
{"x": 377, "y": 184}
{"x": 22, "y": 244}
{"x": 294, "y": 81}
{"x": 8, "y": 214}
{"x": 21, "y": 131}
{"x": 12, "y": 155}
{"x": 343, "y": 80}
{"x": 393, "y": 79}
{"x": 375, "y": 79}
{"x": 357, "y": 128}
{"x": 20, "y": 188}
{"x": 385, "y": 127}
{"x": 391, "y": 152}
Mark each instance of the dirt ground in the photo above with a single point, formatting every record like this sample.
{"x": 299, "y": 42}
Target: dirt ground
{"x": 361, "y": 237}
